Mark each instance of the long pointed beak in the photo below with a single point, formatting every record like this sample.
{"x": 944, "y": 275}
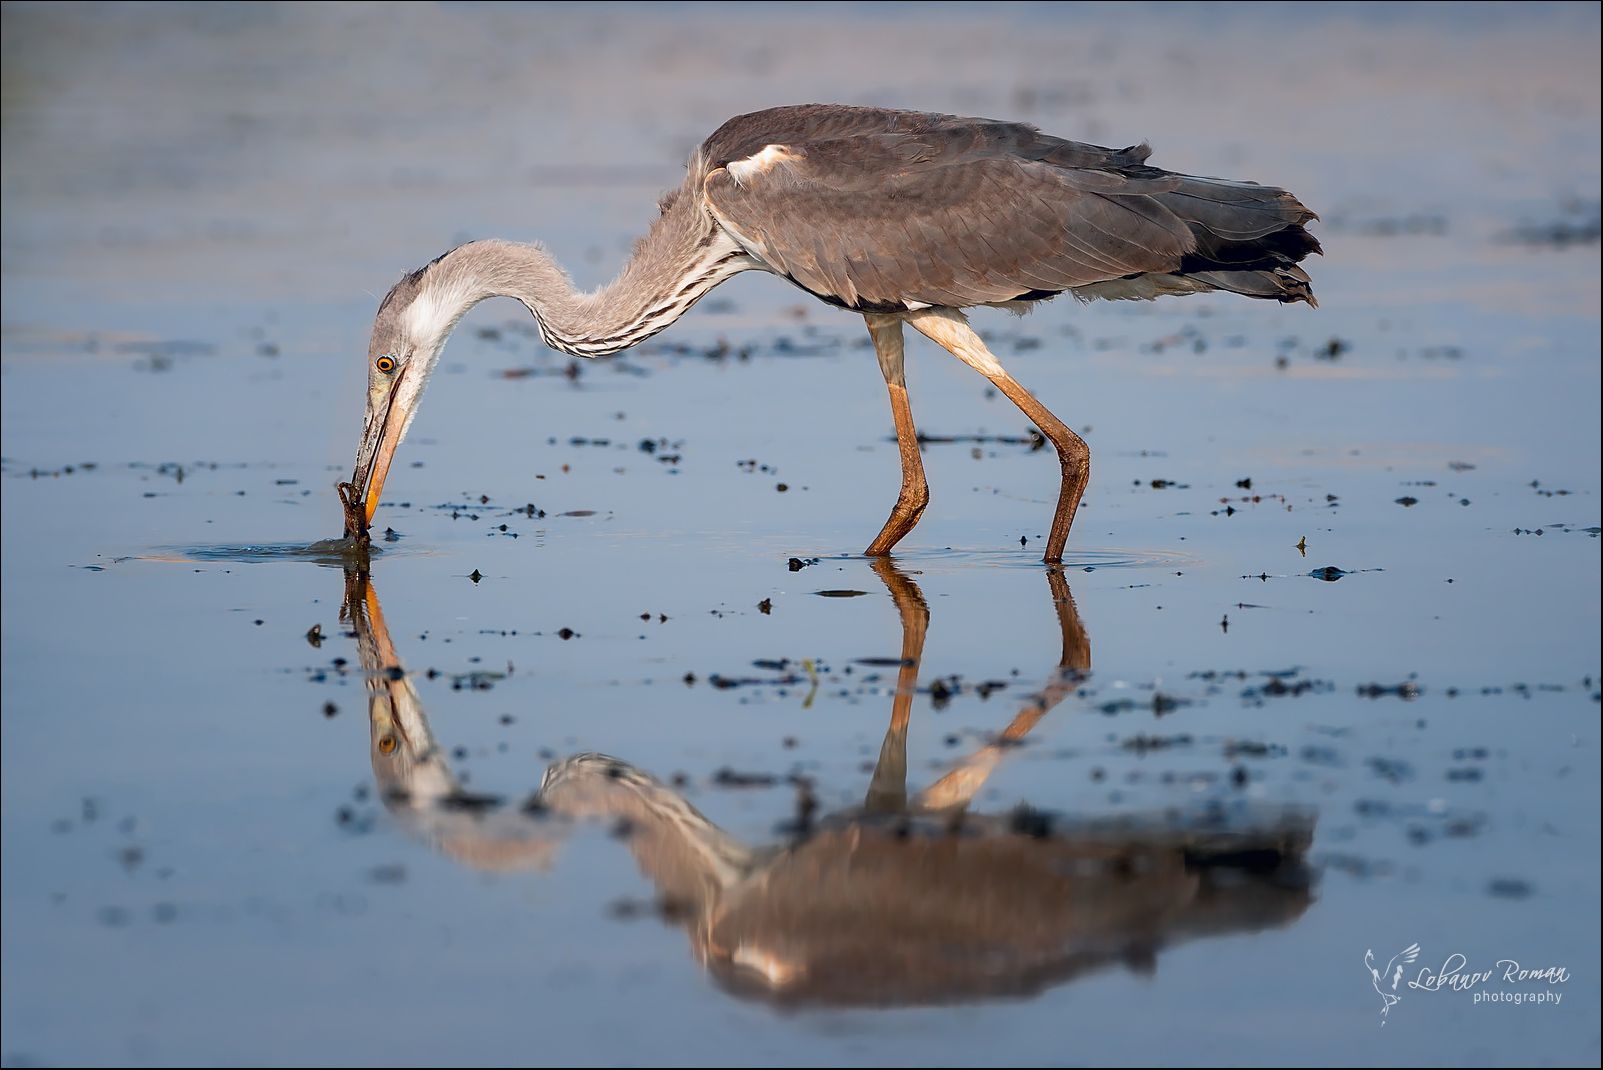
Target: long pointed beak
{"x": 379, "y": 439}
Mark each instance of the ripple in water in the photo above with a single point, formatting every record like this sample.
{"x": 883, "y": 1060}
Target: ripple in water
{"x": 334, "y": 553}
{"x": 1074, "y": 559}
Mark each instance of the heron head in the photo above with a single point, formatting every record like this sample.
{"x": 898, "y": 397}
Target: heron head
{"x": 408, "y": 334}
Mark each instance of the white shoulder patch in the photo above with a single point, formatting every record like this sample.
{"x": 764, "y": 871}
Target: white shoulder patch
{"x": 773, "y": 969}
{"x": 743, "y": 171}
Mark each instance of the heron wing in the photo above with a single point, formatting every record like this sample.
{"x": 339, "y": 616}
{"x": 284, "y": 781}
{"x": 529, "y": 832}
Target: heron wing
{"x": 875, "y": 209}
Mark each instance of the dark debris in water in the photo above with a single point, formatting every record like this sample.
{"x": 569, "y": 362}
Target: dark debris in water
{"x": 1283, "y": 685}
{"x": 1025, "y": 820}
{"x": 1158, "y": 704}
{"x": 1393, "y": 769}
{"x": 1250, "y": 748}
{"x": 1142, "y": 744}
{"x": 1408, "y": 691}
{"x": 476, "y": 680}
{"x": 727, "y": 777}
{"x": 387, "y": 873}
{"x": 1031, "y": 438}
{"x": 667, "y": 909}
{"x": 727, "y": 683}
{"x": 469, "y": 802}
{"x": 1422, "y": 824}
{"x": 1577, "y": 222}
{"x": 1509, "y": 888}
{"x": 1333, "y": 349}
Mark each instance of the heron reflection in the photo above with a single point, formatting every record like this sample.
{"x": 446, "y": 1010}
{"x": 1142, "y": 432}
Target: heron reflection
{"x": 907, "y": 898}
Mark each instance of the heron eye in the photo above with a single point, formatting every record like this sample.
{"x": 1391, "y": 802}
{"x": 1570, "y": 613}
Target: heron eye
{"x": 385, "y": 364}
{"x": 387, "y": 744}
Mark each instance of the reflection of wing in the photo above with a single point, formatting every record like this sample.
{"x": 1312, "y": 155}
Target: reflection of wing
{"x": 879, "y": 911}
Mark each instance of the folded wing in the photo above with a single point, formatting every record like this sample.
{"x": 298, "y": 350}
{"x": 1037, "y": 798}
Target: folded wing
{"x": 880, "y": 210}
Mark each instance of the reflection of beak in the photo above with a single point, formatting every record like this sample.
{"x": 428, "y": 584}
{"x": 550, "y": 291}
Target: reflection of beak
{"x": 378, "y": 655}
{"x": 379, "y": 439}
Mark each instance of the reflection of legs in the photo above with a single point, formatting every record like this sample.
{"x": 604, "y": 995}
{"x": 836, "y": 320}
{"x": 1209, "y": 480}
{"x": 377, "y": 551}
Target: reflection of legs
{"x": 888, "y": 788}
{"x": 957, "y": 789}
{"x": 915, "y": 494}
{"x": 1076, "y": 643}
{"x": 1073, "y": 665}
{"x": 950, "y": 329}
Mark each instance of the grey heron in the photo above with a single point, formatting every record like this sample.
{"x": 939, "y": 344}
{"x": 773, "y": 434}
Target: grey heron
{"x": 903, "y": 217}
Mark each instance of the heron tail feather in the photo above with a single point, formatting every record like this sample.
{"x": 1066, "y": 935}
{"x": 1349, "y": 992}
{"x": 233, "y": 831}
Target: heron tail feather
{"x": 1249, "y": 239}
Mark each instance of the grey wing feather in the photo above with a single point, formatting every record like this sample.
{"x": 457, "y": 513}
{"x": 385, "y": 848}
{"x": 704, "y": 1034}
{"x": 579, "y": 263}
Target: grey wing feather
{"x": 874, "y": 208}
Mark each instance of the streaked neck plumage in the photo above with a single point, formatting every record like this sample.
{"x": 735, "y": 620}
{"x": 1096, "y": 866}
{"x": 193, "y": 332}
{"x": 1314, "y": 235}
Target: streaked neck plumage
{"x": 684, "y": 255}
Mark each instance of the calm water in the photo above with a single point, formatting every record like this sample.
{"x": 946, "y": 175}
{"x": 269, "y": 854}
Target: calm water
{"x": 1200, "y": 781}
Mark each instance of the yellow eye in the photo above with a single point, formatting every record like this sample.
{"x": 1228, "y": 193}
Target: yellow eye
{"x": 385, "y": 364}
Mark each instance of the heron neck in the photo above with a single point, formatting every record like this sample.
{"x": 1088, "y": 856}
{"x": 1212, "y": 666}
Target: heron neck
{"x": 684, "y": 255}
{"x": 680, "y": 850}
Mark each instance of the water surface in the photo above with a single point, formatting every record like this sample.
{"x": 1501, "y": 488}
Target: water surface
{"x": 602, "y": 779}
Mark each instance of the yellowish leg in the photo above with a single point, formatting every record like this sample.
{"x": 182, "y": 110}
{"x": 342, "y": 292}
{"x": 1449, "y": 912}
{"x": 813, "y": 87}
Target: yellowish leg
{"x": 887, "y": 791}
{"x": 950, "y": 329}
{"x": 915, "y": 494}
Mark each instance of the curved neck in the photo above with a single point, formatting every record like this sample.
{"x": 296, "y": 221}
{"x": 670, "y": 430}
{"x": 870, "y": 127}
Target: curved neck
{"x": 684, "y": 255}
{"x": 681, "y": 851}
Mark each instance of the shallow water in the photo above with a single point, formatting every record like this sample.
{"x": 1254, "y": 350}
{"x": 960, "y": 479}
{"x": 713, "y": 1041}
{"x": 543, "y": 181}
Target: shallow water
{"x": 1204, "y": 777}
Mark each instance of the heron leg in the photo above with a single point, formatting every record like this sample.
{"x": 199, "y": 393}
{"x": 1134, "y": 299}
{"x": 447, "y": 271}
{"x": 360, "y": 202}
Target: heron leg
{"x": 915, "y": 493}
{"x": 950, "y": 329}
